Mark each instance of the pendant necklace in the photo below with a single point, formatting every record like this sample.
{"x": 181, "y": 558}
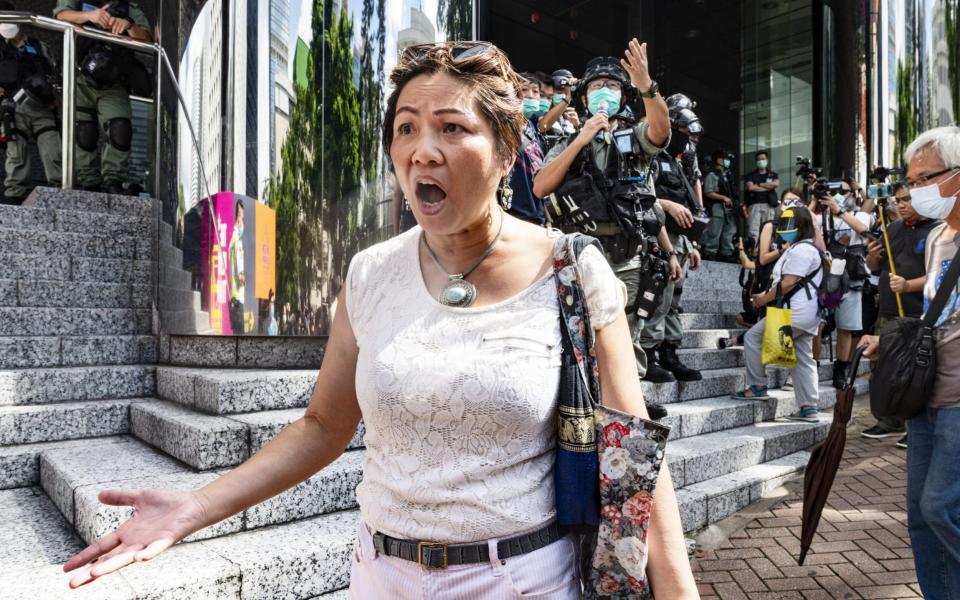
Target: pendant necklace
{"x": 459, "y": 292}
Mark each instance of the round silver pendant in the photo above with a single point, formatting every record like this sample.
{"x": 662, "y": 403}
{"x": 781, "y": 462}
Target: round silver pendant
{"x": 459, "y": 293}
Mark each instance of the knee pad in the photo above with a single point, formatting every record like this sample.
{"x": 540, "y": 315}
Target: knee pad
{"x": 120, "y": 133}
{"x": 87, "y": 135}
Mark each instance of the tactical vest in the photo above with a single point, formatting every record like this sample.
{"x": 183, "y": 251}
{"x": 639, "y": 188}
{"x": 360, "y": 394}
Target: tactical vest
{"x": 19, "y": 64}
{"x": 619, "y": 213}
{"x": 671, "y": 182}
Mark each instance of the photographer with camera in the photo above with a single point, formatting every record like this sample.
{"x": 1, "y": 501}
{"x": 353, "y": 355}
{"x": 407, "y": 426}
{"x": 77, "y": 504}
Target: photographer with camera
{"x": 908, "y": 240}
{"x": 27, "y": 104}
{"x": 561, "y": 119}
{"x": 762, "y": 199}
{"x": 602, "y": 183}
{"x": 108, "y": 74}
{"x": 844, "y": 238}
{"x": 723, "y": 202}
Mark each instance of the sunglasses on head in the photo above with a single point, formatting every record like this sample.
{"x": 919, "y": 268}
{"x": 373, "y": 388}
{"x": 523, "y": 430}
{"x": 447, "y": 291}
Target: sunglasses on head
{"x": 459, "y": 52}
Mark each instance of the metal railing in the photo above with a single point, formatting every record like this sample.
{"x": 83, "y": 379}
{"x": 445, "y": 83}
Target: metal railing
{"x": 69, "y": 79}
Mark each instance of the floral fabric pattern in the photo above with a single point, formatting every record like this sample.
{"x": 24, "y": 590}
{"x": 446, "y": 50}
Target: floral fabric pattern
{"x": 630, "y": 452}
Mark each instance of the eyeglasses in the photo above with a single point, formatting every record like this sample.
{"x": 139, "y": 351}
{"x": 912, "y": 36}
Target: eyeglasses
{"x": 610, "y": 85}
{"x": 920, "y": 181}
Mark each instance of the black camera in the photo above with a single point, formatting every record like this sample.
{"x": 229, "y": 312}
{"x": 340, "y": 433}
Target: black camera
{"x": 628, "y": 149}
{"x": 880, "y": 174}
{"x": 825, "y": 188}
{"x": 804, "y": 168}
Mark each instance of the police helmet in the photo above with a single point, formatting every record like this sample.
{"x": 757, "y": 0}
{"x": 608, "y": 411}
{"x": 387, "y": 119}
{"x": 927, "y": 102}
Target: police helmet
{"x": 562, "y": 78}
{"x": 605, "y": 67}
{"x": 679, "y": 101}
{"x": 686, "y": 118}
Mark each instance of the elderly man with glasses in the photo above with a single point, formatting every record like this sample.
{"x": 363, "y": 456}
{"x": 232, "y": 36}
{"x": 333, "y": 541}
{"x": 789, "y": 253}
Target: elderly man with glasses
{"x": 933, "y": 456}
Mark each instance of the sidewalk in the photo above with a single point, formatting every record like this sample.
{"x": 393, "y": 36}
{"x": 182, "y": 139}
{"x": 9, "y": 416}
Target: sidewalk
{"x": 861, "y": 549}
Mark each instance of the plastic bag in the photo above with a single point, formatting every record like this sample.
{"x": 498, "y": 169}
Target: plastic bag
{"x": 777, "y": 348}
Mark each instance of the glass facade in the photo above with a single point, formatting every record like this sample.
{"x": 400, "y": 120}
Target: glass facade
{"x": 777, "y": 65}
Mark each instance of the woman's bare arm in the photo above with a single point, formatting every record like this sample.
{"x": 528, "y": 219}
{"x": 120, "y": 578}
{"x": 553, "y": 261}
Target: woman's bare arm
{"x": 306, "y": 445}
{"x": 767, "y": 254}
{"x": 669, "y": 566}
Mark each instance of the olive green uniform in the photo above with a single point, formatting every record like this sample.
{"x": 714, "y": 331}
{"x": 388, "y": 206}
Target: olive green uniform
{"x": 664, "y": 325}
{"x": 627, "y": 271}
{"x": 38, "y": 122}
{"x": 100, "y": 105}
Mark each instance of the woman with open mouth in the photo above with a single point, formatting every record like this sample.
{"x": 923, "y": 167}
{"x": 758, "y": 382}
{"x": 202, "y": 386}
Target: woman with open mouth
{"x": 448, "y": 345}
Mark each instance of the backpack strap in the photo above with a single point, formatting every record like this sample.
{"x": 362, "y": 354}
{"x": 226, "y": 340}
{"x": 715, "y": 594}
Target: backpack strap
{"x": 806, "y": 281}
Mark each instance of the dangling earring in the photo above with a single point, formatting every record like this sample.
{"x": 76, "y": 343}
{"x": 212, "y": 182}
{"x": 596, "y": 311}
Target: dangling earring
{"x": 505, "y": 194}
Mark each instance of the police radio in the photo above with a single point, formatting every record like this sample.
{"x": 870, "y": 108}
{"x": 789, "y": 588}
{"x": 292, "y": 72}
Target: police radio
{"x": 628, "y": 149}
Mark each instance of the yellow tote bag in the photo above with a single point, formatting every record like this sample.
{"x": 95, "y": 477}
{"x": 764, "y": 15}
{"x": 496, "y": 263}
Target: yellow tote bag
{"x": 777, "y": 346}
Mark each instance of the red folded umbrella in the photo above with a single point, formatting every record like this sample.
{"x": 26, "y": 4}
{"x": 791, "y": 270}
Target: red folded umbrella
{"x": 825, "y": 460}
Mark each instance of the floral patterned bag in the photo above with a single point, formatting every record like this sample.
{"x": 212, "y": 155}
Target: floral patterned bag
{"x": 629, "y": 452}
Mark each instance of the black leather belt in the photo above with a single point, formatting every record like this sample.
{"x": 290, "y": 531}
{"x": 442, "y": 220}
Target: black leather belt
{"x": 432, "y": 555}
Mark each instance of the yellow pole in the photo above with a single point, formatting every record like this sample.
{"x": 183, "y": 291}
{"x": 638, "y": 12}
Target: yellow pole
{"x": 886, "y": 241}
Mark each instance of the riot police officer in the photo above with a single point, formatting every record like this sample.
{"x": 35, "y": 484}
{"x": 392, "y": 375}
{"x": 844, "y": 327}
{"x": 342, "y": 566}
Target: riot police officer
{"x": 602, "y": 174}
{"x": 103, "y": 97}
{"x": 27, "y": 102}
{"x": 663, "y": 333}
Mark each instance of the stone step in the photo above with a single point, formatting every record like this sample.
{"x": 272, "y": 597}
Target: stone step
{"x": 711, "y": 455}
{"x": 173, "y": 299}
{"x": 75, "y": 268}
{"x": 229, "y": 391}
{"x": 210, "y": 442}
{"x": 63, "y": 421}
{"x": 92, "y": 202}
{"x": 727, "y": 307}
{"x": 20, "y": 463}
{"x": 175, "y": 277}
{"x": 32, "y": 321}
{"x": 707, "y": 338}
{"x": 74, "y": 221}
{"x": 711, "y": 294}
{"x": 72, "y": 384}
{"x": 306, "y": 559}
{"x": 56, "y": 294}
{"x": 707, "y": 502}
{"x": 72, "y": 478}
{"x": 696, "y": 417}
{"x": 185, "y": 322}
{"x": 692, "y": 320}
{"x": 76, "y": 351}
{"x": 171, "y": 256}
{"x": 704, "y": 359}
{"x": 252, "y": 352}
{"x": 46, "y": 243}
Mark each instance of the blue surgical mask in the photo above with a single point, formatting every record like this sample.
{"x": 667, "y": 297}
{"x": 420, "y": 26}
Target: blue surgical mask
{"x": 761, "y": 164}
{"x": 558, "y": 98}
{"x": 928, "y": 202}
{"x": 531, "y": 107}
{"x": 544, "y": 106}
{"x": 603, "y": 100}
{"x": 726, "y": 163}
{"x": 789, "y": 236}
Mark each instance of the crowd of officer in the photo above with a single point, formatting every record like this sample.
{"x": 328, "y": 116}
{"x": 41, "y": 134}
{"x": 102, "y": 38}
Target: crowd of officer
{"x": 30, "y": 97}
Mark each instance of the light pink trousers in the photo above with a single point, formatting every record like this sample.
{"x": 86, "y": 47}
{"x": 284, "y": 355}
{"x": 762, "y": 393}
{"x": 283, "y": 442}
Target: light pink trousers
{"x": 546, "y": 574}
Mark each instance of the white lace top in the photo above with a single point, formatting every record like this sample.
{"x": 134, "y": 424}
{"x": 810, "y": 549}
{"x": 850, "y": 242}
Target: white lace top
{"x": 459, "y": 403}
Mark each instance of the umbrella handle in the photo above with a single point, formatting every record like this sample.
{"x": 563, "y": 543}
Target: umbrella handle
{"x": 855, "y": 366}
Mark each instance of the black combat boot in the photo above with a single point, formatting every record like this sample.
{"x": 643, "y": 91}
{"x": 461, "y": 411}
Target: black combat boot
{"x": 671, "y": 362}
{"x": 656, "y": 373}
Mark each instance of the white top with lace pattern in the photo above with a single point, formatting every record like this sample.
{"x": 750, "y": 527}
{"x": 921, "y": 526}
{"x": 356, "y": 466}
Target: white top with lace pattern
{"x": 459, "y": 404}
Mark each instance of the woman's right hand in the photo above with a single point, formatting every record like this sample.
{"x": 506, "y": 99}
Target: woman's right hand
{"x": 161, "y": 518}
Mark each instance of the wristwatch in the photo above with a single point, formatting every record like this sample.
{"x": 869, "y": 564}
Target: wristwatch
{"x": 652, "y": 92}
{"x": 673, "y": 253}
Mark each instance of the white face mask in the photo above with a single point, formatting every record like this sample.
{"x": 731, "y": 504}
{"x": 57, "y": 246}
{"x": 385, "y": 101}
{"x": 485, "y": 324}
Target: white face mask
{"x": 9, "y": 30}
{"x": 928, "y": 202}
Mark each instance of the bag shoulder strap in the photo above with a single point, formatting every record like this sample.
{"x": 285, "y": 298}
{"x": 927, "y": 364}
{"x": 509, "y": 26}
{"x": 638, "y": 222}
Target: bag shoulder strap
{"x": 807, "y": 280}
{"x": 947, "y": 286}
{"x": 574, "y": 315}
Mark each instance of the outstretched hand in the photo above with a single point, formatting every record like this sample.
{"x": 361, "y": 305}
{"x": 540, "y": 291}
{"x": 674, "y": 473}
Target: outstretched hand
{"x": 636, "y": 65}
{"x": 160, "y": 519}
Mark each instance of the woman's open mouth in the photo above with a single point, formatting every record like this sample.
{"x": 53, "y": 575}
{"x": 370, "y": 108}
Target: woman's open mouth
{"x": 430, "y": 196}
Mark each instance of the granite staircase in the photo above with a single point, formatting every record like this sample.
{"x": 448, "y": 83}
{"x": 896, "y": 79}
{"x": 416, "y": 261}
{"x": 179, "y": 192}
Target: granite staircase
{"x": 77, "y": 416}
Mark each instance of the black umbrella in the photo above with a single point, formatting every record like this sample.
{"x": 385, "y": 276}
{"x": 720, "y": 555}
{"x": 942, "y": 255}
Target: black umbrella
{"x": 825, "y": 460}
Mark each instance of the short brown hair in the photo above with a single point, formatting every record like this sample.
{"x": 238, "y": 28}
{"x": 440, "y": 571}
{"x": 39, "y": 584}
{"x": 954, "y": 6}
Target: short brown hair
{"x": 487, "y": 72}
